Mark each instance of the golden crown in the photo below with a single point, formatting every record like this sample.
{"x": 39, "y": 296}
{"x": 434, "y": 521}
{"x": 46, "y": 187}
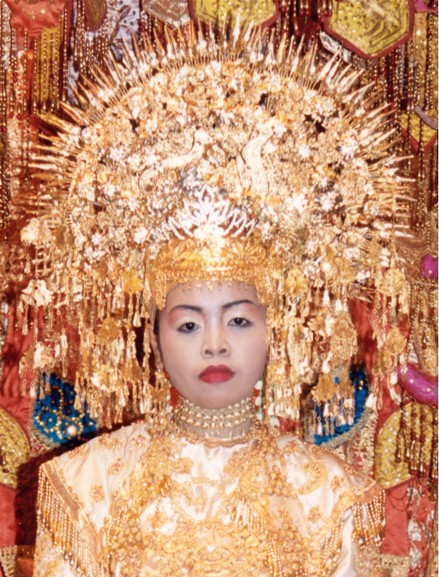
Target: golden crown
{"x": 219, "y": 162}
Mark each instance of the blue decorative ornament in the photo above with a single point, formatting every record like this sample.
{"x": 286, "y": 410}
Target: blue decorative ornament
{"x": 55, "y": 417}
{"x": 359, "y": 381}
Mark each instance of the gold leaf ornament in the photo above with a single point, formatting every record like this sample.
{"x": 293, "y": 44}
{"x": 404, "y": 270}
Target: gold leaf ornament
{"x": 132, "y": 284}
{"x": 109, "y": 330}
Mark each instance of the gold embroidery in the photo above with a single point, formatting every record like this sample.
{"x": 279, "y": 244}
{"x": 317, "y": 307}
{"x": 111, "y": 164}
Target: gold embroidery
{"x": 315, "y": 514}
{"x": 109, "y": 441}
{"x": 140, "y": 441}
{"x": 372, "y": 27}
{"x": 258, "y": 526}
{"x": 97, "y": 493}
{"x": 14, "y": 448}
{"x": 337, "y": 482}
{"x": 317, "y": 474}
{"x": 77, "y": 451}
{"x": 213, "y": 12}
{"x": 116, "y": 466}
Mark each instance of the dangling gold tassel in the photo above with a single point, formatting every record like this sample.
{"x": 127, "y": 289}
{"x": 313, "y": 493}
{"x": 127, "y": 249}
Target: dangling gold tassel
{"x": 279, "y": 394}
{"x": 160, "y": 398}
{"x": 47, "y": 69}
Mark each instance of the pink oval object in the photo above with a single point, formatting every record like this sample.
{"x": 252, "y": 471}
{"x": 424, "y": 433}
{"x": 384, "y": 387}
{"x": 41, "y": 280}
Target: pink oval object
{"x": 423, "y": 388}
{"x": 429, "y": 267}
{"x": 422, "y": 6}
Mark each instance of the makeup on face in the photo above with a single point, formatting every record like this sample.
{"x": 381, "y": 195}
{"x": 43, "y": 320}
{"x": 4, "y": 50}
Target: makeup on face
{"x": 212, "y": 341}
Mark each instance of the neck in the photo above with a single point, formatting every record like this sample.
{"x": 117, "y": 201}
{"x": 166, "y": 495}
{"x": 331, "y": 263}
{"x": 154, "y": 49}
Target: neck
{"x": 231, "y": 423}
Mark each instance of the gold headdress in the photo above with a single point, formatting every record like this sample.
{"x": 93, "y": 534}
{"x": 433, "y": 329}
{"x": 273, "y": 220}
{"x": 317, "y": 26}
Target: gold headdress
{"x": 212, "y": 162}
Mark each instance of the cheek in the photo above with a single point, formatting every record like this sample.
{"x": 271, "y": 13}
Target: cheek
{"x": 168, "y": 348}
{"x": 173, "y": 350}
{"x": 262, "y": 355}
{"x": 255, "y": 351}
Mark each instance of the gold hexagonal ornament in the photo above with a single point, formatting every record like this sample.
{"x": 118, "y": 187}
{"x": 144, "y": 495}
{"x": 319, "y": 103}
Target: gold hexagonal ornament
{"x": 173, "y": 13}
{"x": 230, "y": 12}
{"x": 371, "y": 28}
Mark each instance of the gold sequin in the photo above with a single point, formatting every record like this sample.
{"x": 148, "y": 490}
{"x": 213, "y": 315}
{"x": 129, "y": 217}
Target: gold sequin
{"x": 140, "y": 441}
{"x": 97, "y": 493}
{"x": 116, "y": 467}
{"x": 315, "y": 514}
{"x": 109, "y": 442}
{"x": 337, "y": 482}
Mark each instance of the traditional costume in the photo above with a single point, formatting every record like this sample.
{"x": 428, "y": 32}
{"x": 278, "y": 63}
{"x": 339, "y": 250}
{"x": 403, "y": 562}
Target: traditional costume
{"x": 192, "y": 500}
{"x": 225, "y": 162}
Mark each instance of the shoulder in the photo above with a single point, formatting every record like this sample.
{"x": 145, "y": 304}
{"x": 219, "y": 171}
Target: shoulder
{"x": 87, "y": 476}
{"x": 317, "y": 472}
{"x": 122, "y": 442}
{"x": 302, "y": 452}
{"x": 105, "y": 451}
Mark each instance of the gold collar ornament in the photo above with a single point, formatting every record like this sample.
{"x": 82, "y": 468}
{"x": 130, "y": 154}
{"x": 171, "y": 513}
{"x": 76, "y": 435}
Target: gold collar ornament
{"x": 219, "y": 162}
{"x": 228, "y": 426}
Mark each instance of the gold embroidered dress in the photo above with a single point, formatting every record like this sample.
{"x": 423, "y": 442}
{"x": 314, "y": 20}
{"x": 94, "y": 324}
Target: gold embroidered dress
{"x": 193, "y": 499}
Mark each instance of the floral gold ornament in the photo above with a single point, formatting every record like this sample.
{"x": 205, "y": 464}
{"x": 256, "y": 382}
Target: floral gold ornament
{"x": 221, "y": 163}
{"x": 253, "y": 485}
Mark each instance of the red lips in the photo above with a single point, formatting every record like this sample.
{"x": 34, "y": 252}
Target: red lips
{"x": 216, "y": 374}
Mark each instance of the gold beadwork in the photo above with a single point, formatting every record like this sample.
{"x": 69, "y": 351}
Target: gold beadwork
{"x": 258, "y": 510}
{"x": 231, "y": 424}
{"x": 80, "y": 544}
{"x": 212, "y": 259}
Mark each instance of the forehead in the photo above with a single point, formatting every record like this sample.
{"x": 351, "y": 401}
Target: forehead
{"x": 210, "y": 294}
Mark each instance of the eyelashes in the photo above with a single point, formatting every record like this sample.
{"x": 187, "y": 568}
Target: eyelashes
{"x": 240, "y": 322}
{"x": 189, "y": 327}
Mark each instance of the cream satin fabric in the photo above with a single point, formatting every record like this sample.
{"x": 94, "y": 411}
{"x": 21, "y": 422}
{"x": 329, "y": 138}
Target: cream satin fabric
{"x": 85, "y": 482}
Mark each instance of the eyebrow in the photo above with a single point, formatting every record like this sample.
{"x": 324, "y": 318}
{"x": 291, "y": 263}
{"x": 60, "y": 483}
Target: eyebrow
{"x": 240, "y": 302}
{"x": 225, "y": 307}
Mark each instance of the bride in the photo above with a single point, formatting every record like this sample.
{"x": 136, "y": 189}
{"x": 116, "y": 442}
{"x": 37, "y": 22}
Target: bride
{"x": 225, "y": 205}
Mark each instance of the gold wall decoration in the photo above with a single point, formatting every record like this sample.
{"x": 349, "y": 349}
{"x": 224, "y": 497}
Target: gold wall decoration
{"x": 371, "y": 28}
{"x": 406, "y": 446}
{"x": 173, "y": 13}
{"x": 14, "y": 448}
{"x": 96, "y": 11}
{"x": 229, "y": 12}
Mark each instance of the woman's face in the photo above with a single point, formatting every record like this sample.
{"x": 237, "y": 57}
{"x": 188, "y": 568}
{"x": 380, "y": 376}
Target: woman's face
{"x": 213, "y": 343}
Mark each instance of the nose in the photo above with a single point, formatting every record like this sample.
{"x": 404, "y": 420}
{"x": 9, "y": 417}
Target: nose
{"x": 215, "y": 343}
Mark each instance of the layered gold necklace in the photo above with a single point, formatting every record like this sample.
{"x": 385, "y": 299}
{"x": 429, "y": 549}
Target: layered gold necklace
{"x": 226, "y": 426}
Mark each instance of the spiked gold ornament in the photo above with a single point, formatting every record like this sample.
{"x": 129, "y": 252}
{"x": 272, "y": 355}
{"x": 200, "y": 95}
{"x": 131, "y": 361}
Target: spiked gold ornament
{"x": 211, "y": 162}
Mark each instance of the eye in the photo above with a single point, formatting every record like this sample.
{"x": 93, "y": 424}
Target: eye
{"x": 188, "y": 327}
{"x": 239, "y": 322}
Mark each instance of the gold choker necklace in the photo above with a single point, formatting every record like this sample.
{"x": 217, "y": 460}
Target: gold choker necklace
{"x": 231, "y": 424}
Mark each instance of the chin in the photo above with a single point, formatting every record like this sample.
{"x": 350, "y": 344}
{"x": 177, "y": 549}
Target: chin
{"x": 219, "y": 402}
